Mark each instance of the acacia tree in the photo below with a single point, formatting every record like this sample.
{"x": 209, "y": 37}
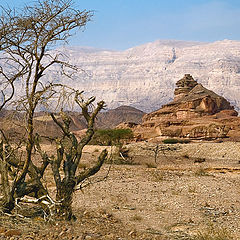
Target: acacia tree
{"x": 11, "y": 70}
{"x": 26, "y": 38}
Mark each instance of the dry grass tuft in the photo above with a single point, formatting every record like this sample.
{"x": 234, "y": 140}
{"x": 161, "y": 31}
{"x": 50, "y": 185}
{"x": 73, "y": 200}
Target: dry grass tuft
{"x": 151, "y": 165}
{"x": 201, "y": 172}
{"x": 214, "y": 233}
{"x": 136, "y": 218}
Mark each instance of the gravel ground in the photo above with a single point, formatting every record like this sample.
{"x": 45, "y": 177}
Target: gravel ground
{"x": 179, "y": 197}
{"x": 208, "y": 150}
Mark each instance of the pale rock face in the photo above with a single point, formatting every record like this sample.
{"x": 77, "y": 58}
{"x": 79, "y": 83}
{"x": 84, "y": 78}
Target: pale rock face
{"x": 144, "y": 77}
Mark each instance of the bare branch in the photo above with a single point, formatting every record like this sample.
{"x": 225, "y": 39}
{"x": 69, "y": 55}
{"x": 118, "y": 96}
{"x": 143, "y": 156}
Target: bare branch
{"x": 94, "y": 169}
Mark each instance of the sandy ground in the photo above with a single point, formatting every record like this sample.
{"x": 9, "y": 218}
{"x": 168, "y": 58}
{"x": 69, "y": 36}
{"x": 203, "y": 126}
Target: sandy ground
{"x": 191, "y": 192}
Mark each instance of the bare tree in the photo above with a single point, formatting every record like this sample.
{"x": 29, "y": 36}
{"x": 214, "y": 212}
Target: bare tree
{"x": 160, "y": 148}
{"x": 26, "y": 38}
{"x": 69, "y": 153}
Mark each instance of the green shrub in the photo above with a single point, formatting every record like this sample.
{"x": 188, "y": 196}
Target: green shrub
{"x": 174, "y": 140}
{"x": 184, "y": 141}
{"x": 170, "y": 141}
{"x": 108, "y": 137}
{"x": 201, "y": 172}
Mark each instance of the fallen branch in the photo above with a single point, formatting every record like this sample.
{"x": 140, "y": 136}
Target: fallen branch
{"x": 45, "y": 200}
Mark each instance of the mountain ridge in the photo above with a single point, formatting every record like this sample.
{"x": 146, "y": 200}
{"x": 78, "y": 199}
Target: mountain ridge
{"x": 144, "y": 76}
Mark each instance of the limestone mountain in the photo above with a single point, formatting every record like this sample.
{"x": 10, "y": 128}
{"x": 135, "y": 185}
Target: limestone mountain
{"x": 144, "y": 76}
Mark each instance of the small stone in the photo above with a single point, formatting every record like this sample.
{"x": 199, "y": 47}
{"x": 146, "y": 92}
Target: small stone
{"x": 109, "y": 236}
{"x": 2, "y": 230}
{"x": 132, "y": 233}
{"x": 12, "y": 232}
{"x": 61, "y": 233}
{"x": 88, "y": 238}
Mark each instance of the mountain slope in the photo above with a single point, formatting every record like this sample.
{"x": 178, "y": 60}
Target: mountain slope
{"x": 114, "y": 117}
{"x": 144, "y": 76}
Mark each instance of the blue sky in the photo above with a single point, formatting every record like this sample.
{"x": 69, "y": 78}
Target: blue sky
{"x": 121, "y": 24}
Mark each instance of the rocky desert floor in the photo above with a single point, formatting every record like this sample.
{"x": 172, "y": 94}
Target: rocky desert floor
{"x": 191, "y": 192}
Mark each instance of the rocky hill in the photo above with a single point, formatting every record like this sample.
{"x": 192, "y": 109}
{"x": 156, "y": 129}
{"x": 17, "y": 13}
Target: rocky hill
{"x": 191, "y": 100}
{"x": 195, "y": 112}
{"x": 11, "y": 121}
{"x": 114, "y": 117}
{"x": 144, "y": 77}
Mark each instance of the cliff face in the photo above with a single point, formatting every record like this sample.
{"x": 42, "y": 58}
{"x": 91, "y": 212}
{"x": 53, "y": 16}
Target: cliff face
{"x": 194, "y": 112}
{"x": 144, "y": 76}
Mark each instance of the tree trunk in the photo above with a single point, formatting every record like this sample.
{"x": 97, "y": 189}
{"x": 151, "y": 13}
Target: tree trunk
{"x": 8, "y": 204}
{"x": 8, "y": 200}
{"x": 65, "y": 195}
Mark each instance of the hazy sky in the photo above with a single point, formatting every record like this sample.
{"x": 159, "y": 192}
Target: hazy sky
{"x": 121, "y": 24}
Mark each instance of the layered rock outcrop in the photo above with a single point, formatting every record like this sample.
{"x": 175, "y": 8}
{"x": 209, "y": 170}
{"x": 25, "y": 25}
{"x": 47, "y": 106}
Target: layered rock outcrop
{"x": 195, "y": 112}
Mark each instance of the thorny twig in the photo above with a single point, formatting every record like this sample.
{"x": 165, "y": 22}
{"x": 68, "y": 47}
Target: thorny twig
{"x": 160, "y": 148}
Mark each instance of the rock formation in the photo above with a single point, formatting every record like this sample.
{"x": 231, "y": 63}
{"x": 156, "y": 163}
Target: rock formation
{"x": 195, "y": 112}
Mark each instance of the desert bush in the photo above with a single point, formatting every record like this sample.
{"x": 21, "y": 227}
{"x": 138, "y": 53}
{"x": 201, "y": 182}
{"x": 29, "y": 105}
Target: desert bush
{"x": 170, "y": 141}
{"x": 214, "y": 233}
{"x": 201, "y": 172}
{"x": 184, "y": 141}
{"x": 114, "y": 137}
{"x": 108, "y": 137}
{"x": 120, "y": 157}
{"x": 150, "y": 165}
{"x": 27, "y": 36}
{"x": 120, "y": 161}
{"x": 174, "y": 140}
